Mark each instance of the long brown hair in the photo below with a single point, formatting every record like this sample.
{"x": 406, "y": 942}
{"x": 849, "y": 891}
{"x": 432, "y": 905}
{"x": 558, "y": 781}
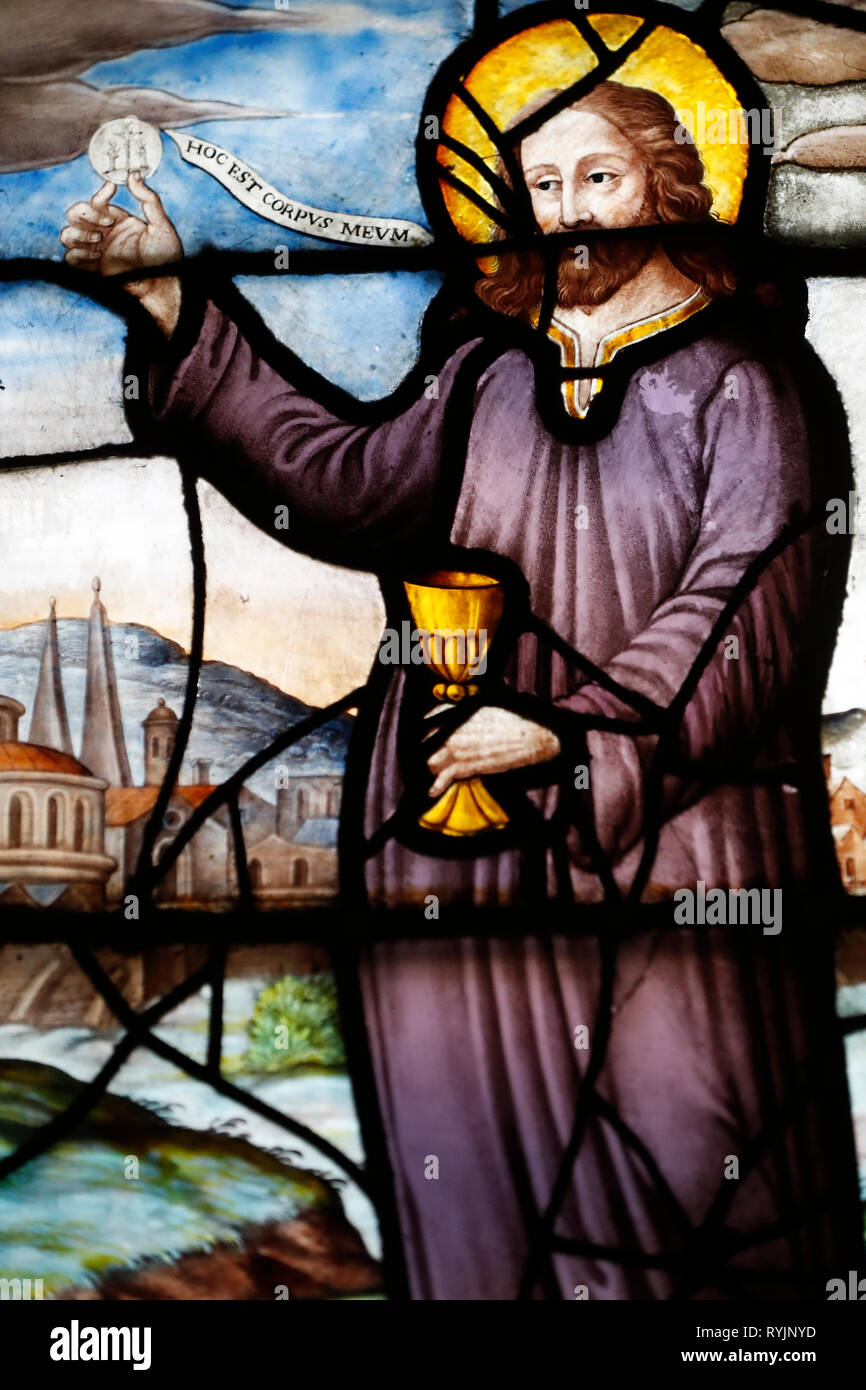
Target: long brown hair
{"x": 677, "y": 189}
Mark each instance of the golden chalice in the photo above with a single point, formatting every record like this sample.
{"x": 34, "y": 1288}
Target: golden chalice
{"x": 457, "y": 615}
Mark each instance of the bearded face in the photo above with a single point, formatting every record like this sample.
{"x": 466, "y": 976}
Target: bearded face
{"x": 583, "y": 172}
{"x": 610, "y": 264}
{"x": 613, "y": 160}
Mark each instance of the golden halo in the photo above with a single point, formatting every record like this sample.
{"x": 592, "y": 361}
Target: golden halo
{"x": 554, "y": 55}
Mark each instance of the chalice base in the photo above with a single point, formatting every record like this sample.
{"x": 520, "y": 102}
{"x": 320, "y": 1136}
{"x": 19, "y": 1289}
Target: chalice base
{"x": 466, "y": 808}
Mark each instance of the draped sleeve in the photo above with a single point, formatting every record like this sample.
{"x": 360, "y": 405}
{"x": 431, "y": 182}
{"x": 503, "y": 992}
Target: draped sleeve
{"x": 356, "y": 492}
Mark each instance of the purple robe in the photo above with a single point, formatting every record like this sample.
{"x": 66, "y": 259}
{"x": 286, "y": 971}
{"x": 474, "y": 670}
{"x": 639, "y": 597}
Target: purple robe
{"x": 631, "y": 547}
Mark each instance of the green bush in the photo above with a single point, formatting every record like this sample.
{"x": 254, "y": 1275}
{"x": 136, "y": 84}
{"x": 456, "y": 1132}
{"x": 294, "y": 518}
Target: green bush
{"x": 295, "y": 1024}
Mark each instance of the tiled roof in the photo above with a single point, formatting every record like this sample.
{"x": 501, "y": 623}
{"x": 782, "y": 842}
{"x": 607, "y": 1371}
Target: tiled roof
{"x": 32, "y": 757}
{"x": 197, "y": 792}
{"x": 125, "y": 804}
{"x": 319, "y": 831}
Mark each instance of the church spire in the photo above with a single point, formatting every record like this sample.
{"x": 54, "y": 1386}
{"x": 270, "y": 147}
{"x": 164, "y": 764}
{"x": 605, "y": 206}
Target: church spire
{"x": 49, "y": 725}
{"x": 103, "y": 749}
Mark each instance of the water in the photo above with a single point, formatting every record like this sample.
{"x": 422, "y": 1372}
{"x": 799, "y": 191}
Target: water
{"x": 321, "y": 1101}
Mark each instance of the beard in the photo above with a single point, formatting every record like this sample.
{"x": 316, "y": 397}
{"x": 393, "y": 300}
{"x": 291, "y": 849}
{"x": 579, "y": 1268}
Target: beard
{"x": 516, "y": 285}
{"x": 611, "y": 265}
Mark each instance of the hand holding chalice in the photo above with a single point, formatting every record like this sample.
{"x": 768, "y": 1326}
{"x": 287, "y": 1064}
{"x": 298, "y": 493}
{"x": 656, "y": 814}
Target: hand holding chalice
{"x": 457, "y": 614}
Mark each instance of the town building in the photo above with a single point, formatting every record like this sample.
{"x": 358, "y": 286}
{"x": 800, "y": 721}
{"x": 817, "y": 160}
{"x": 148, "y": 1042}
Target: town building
{"x": 71, "y": 830}
{"x": 848, "y": 825}
{"x": 52, "y": 821}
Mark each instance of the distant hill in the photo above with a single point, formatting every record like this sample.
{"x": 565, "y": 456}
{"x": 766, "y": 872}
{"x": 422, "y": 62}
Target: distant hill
{"x": 237, "y": 713}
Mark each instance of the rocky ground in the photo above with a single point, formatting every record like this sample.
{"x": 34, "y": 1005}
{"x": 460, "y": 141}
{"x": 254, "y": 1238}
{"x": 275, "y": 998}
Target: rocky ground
{"x": 130, "y": 1204}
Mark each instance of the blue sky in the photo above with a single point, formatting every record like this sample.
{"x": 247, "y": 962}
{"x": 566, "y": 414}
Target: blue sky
{"x": 355, "y": 95}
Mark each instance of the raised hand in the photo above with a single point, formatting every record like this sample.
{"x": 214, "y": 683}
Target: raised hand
{"x": 102, "y": 237}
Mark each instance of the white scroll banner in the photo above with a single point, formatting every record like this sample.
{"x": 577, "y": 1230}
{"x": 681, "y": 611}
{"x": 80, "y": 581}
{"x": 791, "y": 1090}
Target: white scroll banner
{"x": 266, "y": 201}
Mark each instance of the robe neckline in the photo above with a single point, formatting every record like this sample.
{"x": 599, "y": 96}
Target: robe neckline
{"x": 611, "y": 343}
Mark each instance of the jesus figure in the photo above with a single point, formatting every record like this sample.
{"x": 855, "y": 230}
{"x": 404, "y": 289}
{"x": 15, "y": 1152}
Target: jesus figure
{"x": 673, "y": 551}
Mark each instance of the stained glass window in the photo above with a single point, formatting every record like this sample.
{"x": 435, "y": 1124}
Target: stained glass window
{"x": 433, "y": 864}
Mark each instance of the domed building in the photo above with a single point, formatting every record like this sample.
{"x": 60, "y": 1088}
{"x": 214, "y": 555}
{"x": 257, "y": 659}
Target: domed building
{"x": 52, "y": 823}
{"x": 160, "y": 732}
{"x": 72, "y": 829}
